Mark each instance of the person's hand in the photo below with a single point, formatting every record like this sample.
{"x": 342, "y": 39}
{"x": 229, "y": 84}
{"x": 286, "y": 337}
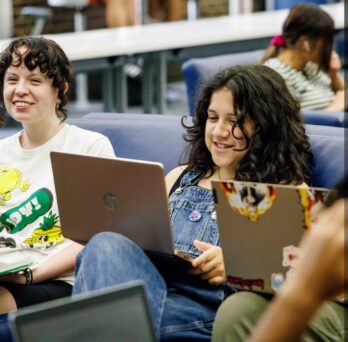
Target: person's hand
{"x": 320, "y": 272}
{"x": 335, "y": 63}
{"x": 210, "y": 264}
{"x": 338, "y": 103}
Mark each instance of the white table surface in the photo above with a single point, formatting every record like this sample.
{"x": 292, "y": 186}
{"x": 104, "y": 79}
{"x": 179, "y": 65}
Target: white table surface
{"x": 108, "y": 42}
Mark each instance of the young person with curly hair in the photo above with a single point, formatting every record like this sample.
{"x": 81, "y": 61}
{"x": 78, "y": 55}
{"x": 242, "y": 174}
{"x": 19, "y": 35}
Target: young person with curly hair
{"x": 34, "y": 78}
{"x": 247, "y": 127}
{"x": 303, "y": 54}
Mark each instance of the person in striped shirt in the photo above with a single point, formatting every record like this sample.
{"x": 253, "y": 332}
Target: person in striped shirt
{"x": 303, "y": 54}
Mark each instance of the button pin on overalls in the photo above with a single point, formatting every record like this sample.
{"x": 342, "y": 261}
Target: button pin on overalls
{"x": 195, "y": 216}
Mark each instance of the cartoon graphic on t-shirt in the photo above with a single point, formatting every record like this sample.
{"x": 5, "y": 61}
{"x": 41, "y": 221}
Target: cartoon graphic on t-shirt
{"x": 17, "y": 218}
{"x": 47, "y": 235}
{"x": 252, "y": 200}
{"x": 37, "y": 206}
{"x": 10, "y": 179}
{"x": 7, "y": 242}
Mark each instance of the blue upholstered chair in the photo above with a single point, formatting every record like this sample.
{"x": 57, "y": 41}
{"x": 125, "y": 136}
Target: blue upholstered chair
{"x": 279, "y": 4}
{"x": 159, "y": 138}
{"x": 321, "y": 117}
{"x": 197, "y": 71}
{"x": 156, "y": 138}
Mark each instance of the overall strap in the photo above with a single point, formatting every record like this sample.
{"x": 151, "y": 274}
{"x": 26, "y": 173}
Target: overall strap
{"x": 186, "y": 178}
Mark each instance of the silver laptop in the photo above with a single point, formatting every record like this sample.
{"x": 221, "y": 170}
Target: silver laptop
{"x": 126, "y": 196}
{"x": 260, "y": 228}
{"x": 120, "y": 313}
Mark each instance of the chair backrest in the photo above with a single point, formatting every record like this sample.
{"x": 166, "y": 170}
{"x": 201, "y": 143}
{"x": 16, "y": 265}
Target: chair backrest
{"x": 329, "y": 131}
{"x": 199, "y": 70}
{"x": 160, "y": 141}
{"x": 328, "y": 167}
{"x": 160, "y": 138}
{"x": 278, "y": 4}
{"x": 321, "y": 117}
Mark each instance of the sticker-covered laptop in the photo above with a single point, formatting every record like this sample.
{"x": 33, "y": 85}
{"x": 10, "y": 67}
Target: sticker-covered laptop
{"x": 260, "y": 228}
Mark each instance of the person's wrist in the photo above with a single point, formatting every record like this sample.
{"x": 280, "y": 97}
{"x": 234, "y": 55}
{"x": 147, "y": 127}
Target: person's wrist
{"x": 301, "y": 298}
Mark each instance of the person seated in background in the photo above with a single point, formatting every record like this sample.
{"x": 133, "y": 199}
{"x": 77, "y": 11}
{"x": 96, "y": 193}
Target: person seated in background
{"x": 299, "y": 311}
{"x": 303, "y": 54}
{"x": 167, "y": 10}
{"x": 246, "y": 121}
{"x": 34, "y": 79}
{"x": 118, "y": 12}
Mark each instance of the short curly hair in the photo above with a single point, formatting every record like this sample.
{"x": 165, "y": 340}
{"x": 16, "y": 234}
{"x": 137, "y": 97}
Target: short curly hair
{"x": 45, "y": 54}
{"x": 279, "y": 150}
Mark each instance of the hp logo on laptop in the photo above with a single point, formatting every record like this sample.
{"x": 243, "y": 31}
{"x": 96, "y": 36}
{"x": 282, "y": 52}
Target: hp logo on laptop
{"x": 110, "y": 201}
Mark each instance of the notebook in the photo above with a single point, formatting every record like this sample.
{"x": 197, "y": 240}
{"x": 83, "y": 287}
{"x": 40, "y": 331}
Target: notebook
{"x": 126, "y": 196}
{"x": 120, "y": 313}
{"x": 260, "y": 228}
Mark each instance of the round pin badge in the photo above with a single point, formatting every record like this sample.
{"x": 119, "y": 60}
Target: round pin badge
{"x": 195, "y": 216}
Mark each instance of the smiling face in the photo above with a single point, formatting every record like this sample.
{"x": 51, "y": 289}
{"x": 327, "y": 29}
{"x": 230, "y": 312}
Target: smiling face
{"x": 29, "y": 96}
{"x": 221, "y": 143}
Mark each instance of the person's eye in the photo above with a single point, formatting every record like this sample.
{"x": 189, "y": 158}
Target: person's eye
{"x": 11, "y": 80}
{"x": 35, "y": 80}
{"x": 212, "y": 117}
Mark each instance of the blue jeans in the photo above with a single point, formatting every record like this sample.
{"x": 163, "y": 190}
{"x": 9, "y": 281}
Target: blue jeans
{"x": 5, "y": 331}
{"x": 183, "y": 306}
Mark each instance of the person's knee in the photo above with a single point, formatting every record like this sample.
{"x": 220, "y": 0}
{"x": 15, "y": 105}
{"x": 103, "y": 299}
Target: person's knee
{"x": 105, "y": 245}
{"x": 237, "y": 316}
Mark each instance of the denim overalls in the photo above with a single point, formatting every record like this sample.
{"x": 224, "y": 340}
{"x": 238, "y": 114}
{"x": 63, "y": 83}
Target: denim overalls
{"x": 183, "y": 306}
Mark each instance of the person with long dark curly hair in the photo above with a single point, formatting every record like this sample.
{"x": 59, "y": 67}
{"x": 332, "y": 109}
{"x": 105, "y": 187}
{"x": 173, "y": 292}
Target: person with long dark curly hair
{"x": 37, "y": 262}
{"x": 247, "y": 127}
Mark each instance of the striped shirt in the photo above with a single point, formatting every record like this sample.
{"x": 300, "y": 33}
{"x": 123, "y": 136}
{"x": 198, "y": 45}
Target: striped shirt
{"x": 310, "y": 87}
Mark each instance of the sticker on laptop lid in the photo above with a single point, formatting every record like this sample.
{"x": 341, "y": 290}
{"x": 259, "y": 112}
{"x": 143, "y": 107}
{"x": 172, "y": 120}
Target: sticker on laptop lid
{"x": 312, "y": 201}
{"x": 250, "y": 284}
{"x": 251, "y": 201}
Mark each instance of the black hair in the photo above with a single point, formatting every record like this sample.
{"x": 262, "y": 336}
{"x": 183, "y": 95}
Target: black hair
{"x": 45, "y": 54}
{"x": 278, "y": 150}
{"x": 314, "y": 23}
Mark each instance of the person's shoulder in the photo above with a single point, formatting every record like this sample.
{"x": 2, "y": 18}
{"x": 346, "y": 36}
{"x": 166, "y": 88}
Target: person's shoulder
{"x": 9, "y": 140}
{"x": 84, "y": 133}
{"x": 176, "y": 172}
{"x": 85, "y": 141}
{"x": 173, "y": 175}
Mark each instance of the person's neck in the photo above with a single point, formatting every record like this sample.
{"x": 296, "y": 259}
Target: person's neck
{"x": 224, "y": 175}
{"x": 293, "y": 58}
{"x": 36, "y": 135}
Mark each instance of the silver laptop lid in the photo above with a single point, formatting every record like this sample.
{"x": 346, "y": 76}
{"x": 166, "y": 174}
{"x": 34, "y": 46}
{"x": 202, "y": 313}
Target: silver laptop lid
{"x": 126, "y": 196}
{"x": 120, "y": 313}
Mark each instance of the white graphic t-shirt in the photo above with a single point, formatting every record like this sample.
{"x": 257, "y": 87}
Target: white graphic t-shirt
{"x": 29, "y": 219}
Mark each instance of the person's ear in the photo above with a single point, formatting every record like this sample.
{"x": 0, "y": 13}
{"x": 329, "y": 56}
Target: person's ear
{"x": 66, "y": 87}
{"x": 306, "y": 46}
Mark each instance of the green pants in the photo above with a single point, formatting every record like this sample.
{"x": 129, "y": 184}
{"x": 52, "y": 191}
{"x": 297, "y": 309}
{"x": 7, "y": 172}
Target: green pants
{"x": 239, "y": 313}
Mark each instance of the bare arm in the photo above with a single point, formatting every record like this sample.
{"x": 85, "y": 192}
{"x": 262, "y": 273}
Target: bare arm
{"x": 55, "y": 266}
{"x": 319, "y": 276}
{"x": 172, "y": 176}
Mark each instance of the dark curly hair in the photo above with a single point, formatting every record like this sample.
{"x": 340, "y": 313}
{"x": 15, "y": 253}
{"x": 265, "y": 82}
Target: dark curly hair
{"x": 45, "y": 54}
{"x": 279, "y": 150}
{"x": 314, "y": 23}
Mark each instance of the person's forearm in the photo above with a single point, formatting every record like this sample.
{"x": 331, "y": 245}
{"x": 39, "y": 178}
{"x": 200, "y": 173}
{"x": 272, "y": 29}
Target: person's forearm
{"x": 337, "y": 82}
{"x": 57, "y": 264}
{"x": 286, "y": 318}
